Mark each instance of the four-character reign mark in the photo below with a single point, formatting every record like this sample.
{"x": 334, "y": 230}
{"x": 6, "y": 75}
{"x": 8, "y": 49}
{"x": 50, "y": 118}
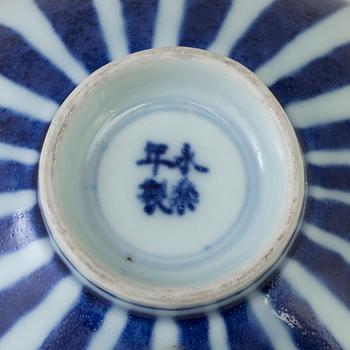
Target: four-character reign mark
{"x": 184, "y": 194}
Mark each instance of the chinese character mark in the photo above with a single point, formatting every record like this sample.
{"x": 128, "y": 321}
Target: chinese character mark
{"x": 154, "y": 152}
{"x": 184, "y": 195}
{"x": 186, "y": 159}
{"x": 153, "y": 194}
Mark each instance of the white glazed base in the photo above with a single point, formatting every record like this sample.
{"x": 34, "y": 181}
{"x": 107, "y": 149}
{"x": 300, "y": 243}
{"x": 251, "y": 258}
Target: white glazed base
{"x": 249, "y": 199}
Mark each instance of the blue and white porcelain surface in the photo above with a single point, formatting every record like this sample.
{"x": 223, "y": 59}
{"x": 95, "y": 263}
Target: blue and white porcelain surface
{"x": 157, "y": 182}
{"x": 299, "y": 48}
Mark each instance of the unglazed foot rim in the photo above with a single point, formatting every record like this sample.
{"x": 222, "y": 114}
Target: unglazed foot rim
{"x": 160, "y": 296}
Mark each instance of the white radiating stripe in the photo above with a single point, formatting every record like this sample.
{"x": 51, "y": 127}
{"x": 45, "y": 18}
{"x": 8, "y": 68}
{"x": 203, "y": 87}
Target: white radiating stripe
{"x": 324, "y": 193}
{"x": 165, "y": 334}
{"x": 327, "y": 307}
{"x": 21, "y": 263}
{"x": 32, "y": 329}
{"x": 337, "y": 157}
{"x": 240, "y": 16}
{"x": 18, "y": 154}
{"x": 112, "y": 24}
{"x": 20, "y": 99}
{"x": 107, "y": 336}
{"x": 273, "y": 327}
{"x": 12, "y": 202}
{"x": 217, "y": 332}
{"x": 168, "y": 23}
{"x": 26, "y": 18}
{"x": 328, "y": 241}
{"x": 307, "y": 46}
{"x": 330, "y": 107}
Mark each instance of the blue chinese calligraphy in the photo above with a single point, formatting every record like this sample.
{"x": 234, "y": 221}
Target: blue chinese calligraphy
{"x": 154, "y": 152}
{"x": 186, "y": 159}
{"x": 184, "y": 195}
{"x": 154, "y": 194}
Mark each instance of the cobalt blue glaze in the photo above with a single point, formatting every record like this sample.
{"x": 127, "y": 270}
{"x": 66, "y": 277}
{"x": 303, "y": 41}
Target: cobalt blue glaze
{"x": 332, "y": 216}
{"x": 23, "y": 64}
{"x": 333, "y": 177}
{"x": 136, "y": 334}
{"x": 86, "y": 41}
{"x": 197, "y": 12}
{"x": 194, "y": 333}
{"x": 78, "y": 25}
{"x": 278, "y": 24}
{"x": 20, "y": 299}
{"x": 306, "y": 331}
{"x": 79, "y": 325}
{"x": 332, "y": 136}
{"x": 17, "y": 176}
{"x": 322, "y": 75}
{"x": 20, "y": 229}
{"x": 243, "y": 329}
{"x": 320, "y": 262}
{"x": 20, "y": 130}
{"x": 140, "y": 17}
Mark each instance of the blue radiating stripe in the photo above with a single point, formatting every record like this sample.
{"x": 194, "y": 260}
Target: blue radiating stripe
{"x": 21, "y": 63}
{"x": 77, "y": 24}
{"x": 331, "y": 136}
{"x": 16, "y": 176}
{"x": 136, "y": 334}
{"x": 330, "y": 216}
{"x": 19, "y": 299}
{"x": 320, "y": 76}
{"x": 140, "y": 17}
{"x": 20, "y": 130}
{"x": 194, "y": 333}
{"x": 335, "y": 177}
{"x": 304, "y": 326}
{"x": 321, "y": 262}
{"x": 278, "y": 25}
{"x": 202, "y": 22}
{"x": 79, "y": 325}
{"x": 244, "y": 330}
{"x": 21, "y": 228}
